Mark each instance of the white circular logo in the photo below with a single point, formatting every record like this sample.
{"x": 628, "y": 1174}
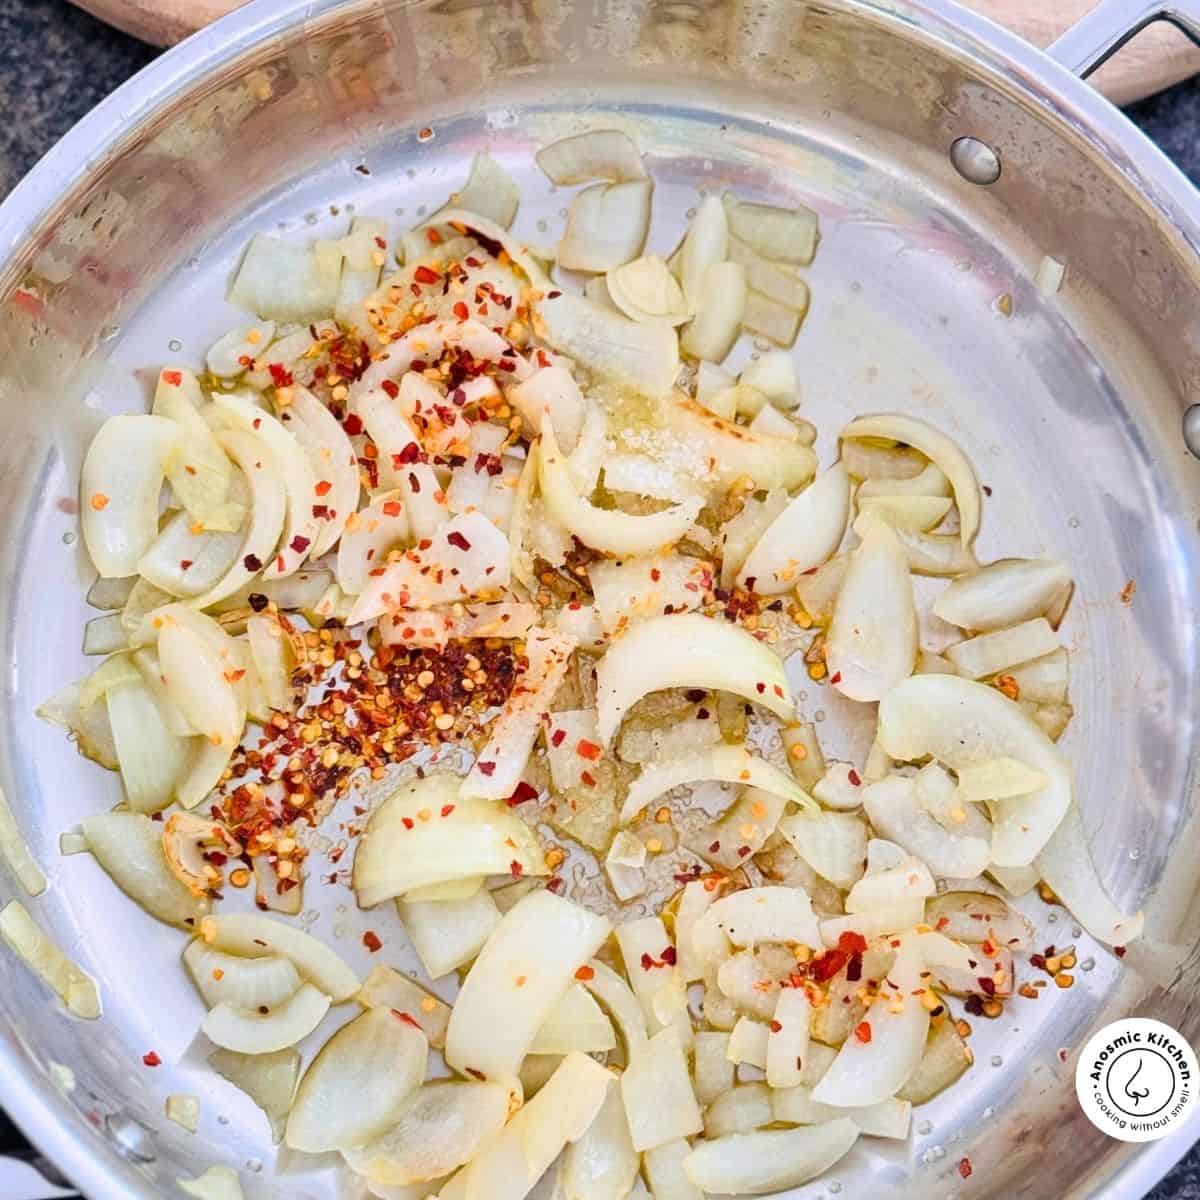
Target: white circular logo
{"x": 1136, "y": 1079}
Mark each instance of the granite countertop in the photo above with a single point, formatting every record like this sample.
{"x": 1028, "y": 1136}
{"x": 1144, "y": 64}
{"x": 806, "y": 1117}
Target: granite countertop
{"x": 56, "y": 63}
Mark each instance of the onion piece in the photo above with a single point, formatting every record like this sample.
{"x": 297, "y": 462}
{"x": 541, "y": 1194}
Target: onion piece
{"x": 946, "y": 1057}
{"x": 748, "y": 1043}
{"x": 273, "y": 659}
{"x": 891, "y": 888}
{"x": 720, "y": 307}
{"x": 427, "y": 833}
{"x": 575, "y": 1023}
{"x": 428, "y": 343}
{"x": 834, "y": 844}
{"x": 804, "y": 754}
{"x": 1004, "y": 593}
{"x": 17, "y": 854}
{"x": 440, "y": 1126}
{"x": 262, "y": 1033}
{"x": 268, "y": 1079}
{"x": 602, "y": 1165}
{"x": 931, "y": 481}
{"x": 151, "y": 758}
{"x": 739, "y": 1110}
{"x": 839, "y": 787}
{"x": 510, "y": 1165}
{"x": 625, "y": 866}
{"x": 772, "y": 422}
{"x": 805, "y": 535}
{"x": 760, "y": 914}
{"x": 640, "y": 587}
{"x": 665, "y": 1174}
{"x": 386, "y": 988}
{"x": 990, "y": 653}
{"x": 217, "y": 1183}
{"x": 659, "y": 1102}
{"x": 957, "y": 969}
{"x": 872, "y": 643}
{"x": 646, "y": 291}
{"x": 490, "y": 191}
{"x": 818, "y": 591}
{"x": 704, "y": 246}
{"x": 187, "y": 563}
{"x": 447, "y": 934}
{"x": 363, "y": 253}
{"x": 89, "y": 724}
{"x": 37, "y": 950}
{"x": 781, "y": 287}
{"x": 551, "y": 389}
{"x": 226, "y": 356}
{"x": 609, "y": 530}
{"x": 646, "y": 949}
{"x": 197, "y": 676}
{"x": 787, "y": 1041}
{"x": 713, "y": 1071}
{"x": 687, "y": 651}
{"x": 1043, "y": 680}
{"x": 285, "y": 282}
{"x": 786, "y": 235}
{"x": 247, "y": 983}
{"x": 881, "y": 460}
{"x": 939, "y": 449}
{"x": 437, "y": 627}
{"x": 729, "y": 764}
{"x": 369, "y": 535}
{"x": 742, "y": 829}
{"x": 542, "y": 940}
{"x": 889, "y": 1118}
{"x": 767, "y": 319}
{"x": 998, "y": 779}
{"x": 876, "y": 922}
{"x": 597, "y": 154}
{"x": 119, "y": 486}
{"x": 768, "y": 1161}
{"x": 344, "y": 1099}
{"x": 254, "y": 936}
{"x": 617, "y": 997}
{"x": 606, "y": 226}
{"x": 936, "y": 554}
{"x": 921, "y": 513}
{"x": 962, "y": 723}
{"x": 975, "y": 917}
{"x": 1066, "y": 864}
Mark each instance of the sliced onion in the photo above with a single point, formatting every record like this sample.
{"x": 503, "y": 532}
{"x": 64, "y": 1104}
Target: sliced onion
{"x": 963, "y": 723}
{"x": 1066, "y": 864}
{"x": 646, "y": 949}
{"x": 428, "y": 343}
{"x": 268, "y": 1079}
{"x": 939, "y": 449}
{"x": 254, "y": 936}
{"x": 713, "y": 1069}
{"x": 775, "y": 284}
{"x": 834, "y": 844}
{"x": 839, "y": 787}
{"x": 665, "y": 1174}
{"x": 344, "y": 1099}
{"x": 364, "y": 252}
{"x": 187, "y": 563}
{"x": 500, "y": 763}
{"x": 891, "y": 888}
{"x": 273, "y": 660}
{"x": 447, "y": 934}
{"x": 440, "y": 1126}
{"x": 936, "y": 554}
{"x": 872, "y": 643}
{"x": 217, "y": 1183}
{"x": 882, "y": 460}
{"x": 772, "y": 422}
{"x": 617, "y": 997}
{"x": 739, "y": 1110}
{"x": 242, "y": 982}
{"x": 657, "y": 1090}
{"x": 715, "y": 390}
{"x": 17, "y": 854}
{"x": 437, "y": 627}
{"x": 720, "y": 308}
{"x": 602, "y": 1165}
{"x": 198, "y": 680}
{"x": 729, "y": 764}
{"x": 636, "y": 588}
{"x": 760, "y": 914}
{"x": 804, "y": 754}
{"x": 542, "y": 941}
{"x": 687, "y": 651}
{"x": 742, "y": 830}
{"x": 37, "y": 950}
{"x": 705, "y": 245}
{"x": 625, "y": 866}
{"x": 944, "y": 1060}
{"x": 458, "y": 574}
{"x": 931, "y": 481}
{"x": 748, "y": 1043}
{"x": 597, "y": 154}
{"x": 979, "y": 916}
{"x": 646, "y": 291}
{"x": 333, "y": 461}
{"x": 609, "y": 530}
{"x": 921, "y": 513}
{"x": 998, "y": 779}
{"x": 779, "y": 234}
{"x": 740, "y": 534}
{"x": 427, "y": 833}
{"x": 551, "y": 389}
{"x": 990, "y": 653}
{"x": 369, "y": 535}
{"x": 89, "y": 724}
{"x": 902, "y": 916}
{"x": 1004, "y": 593}
{"x": 263, "y": 1033}
{"x": 606, "y": 226}
{"x": 151, "y": 758}
{"x": 119, "y": 486}
{"x": 787, "y": 1041}
{"x": 489, "y": 191}
{"x": 764, "y": 318}
{"x": 817, "y": 590}
{"x": 805, "y": 535}
{"x": 575, "y": 1023}
{"x": 509, "y": 1166}
{"x": 768, "y": 1161}
{"x": 285, "y": 282}
{"x": 386, "y": 988}
{"x": 890, "y": 1118}
{"x": 226, "y": 356}
{"x": 1043, "y": 680}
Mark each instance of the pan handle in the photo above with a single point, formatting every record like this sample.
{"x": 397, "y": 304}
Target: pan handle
{"x": 1096, "y": 37}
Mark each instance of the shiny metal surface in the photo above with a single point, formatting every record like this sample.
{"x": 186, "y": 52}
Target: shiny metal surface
{"x": 1097, "y": 36}
{"x": 114, "y": 255}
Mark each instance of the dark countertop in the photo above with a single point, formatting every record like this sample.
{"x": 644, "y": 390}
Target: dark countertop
{"x": 56, "y": 63}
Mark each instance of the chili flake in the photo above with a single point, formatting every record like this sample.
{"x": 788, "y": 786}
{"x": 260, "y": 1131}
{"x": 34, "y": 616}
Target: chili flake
{"x": 371, "y": 941}
{"x": 151, "y": 1059}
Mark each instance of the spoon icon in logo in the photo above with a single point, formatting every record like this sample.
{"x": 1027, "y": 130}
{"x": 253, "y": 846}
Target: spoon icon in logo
{"x": 1137, "y": 1095}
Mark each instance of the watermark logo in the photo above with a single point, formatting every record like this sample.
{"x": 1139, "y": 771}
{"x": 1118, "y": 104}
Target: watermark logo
{"x": 1136, "y": 1080}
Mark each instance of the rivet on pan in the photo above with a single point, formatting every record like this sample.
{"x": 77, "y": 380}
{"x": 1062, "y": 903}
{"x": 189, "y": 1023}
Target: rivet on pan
{"x": 975, "y": 161}
{"x": 1191, "y": 429}
{"x": 130, "y": 1137}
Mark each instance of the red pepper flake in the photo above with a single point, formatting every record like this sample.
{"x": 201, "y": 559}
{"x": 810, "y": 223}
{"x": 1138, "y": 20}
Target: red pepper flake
{"x": 473, "y": 1071}
{"x": 555, "y": 885}
{"x": 964, "y": 1167}
{"x": 409, "y": 454}
{"x": 655, "y": 574}
{"x": 461, "y": 311}
{"x": 432, "y": 236}
{"x": 425, "y": 274}
{"x": 390, "y": 386}
{"x": 403, "y": 1016}
{"x": 381, "y": 243}
{"x": 588, "y": 778}
{"x": 836, "y": 677}
{"x": 521, "y": 793}
{"x": 407, "y": 822}
{"x": 862, "y": 1031}
{"x": 391, "y": 508}
{"x": 669, "y": 956}
{"x": 321, "y": 512}
{"x": 648, "y": 964}
{"x": 174, "y": 378}
{"x": 323, "y": 488}
{"x": 854, "y": 777}
{"x": 942, "y": 922}
{"x": 516, "y": 869}
{"x": 760, "y": 688}
{"x": 742, "y": 851}
{"x": 558, "y": 737}
{"x": 588, "y": 750}
{"x": 447, "y": 809}
{"x": 185, "y": 564}
{"x": 775, "y": 1027}
{"x": 828, "y": 965}
{"x": 486, "y": 768}
{"x": 1119, "y": 951}
{"x": 371, "y": 941}
{"x": 252, "y": 562}
{"x": 280, "y": 377}
{"x": 714, "y": 847}
{"x": 852, "y": 943}
{"x": 353, "y": 424}
{"x": 299, "y": 544}
{"x": 585, "y": 973}
{"x": 151, "y": 1059}
{"x": 414, "y": 483}
{"x": 456, "y": 539}
{"x": 987, "y": 986}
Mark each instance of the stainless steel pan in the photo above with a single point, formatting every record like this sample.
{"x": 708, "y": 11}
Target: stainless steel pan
{"x": 113, "y": 257}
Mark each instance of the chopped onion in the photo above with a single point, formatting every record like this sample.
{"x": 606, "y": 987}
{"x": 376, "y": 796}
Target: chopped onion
{"x": 939, "y": 449}
{"x": 768, "y": 1161}
{"x": 151, "y": 758}
{"x": 715, "y": 390}
{"x": 760, "y": 914}
{"x": 963, "y": 723}
{"x": 440, "y": 1126}
{"x": 889, "y": 1118}
{"x": 110, "y": 594}
{"x": 88, "y": 723}
{"x": 902, "y": 916}
{"x": 748, "y": 1043}
{"x": 921, "y": 513}
{"x": 437, "y": 627}
{"x": 428, "y": 343}
{"x": 606, "y": 226}
{"x": 787, "y": 1041}
{"x": 427, "y": 833}
{"x": 945, "y": 1058}
{"x": 739, "y": 1110}
{"x": 990, "y": 653}
{"x": 363, "y": 253}
{"x": 765, "y": 318}
{"x": 786, "y": 235}
{"x": 254, "y": 936}
{"x": 936, "y": 554}
{"x": 247, "y": 983}
{"x": 551, "y": 389}
{"x": 17, "y": 854}
{"x": 285, "y": 282}
{"x": 891, "y": 889}
{"x": 872, "y": 643}
{"x": 541, "y": 941}
{"x": 805, "y": 535}
{"x": 998, "y": 779}
{"x": 705, "y": 245}
{"x": 217, "y": 1183}
{"x": 119, "y": 486}
{"x": 931, "y": 481}
{"x": 597, "y": 154}
{"x": 500, "y": 763}
{"x": 687, "y": 651}
{"x": 881, "y": 460}
{"x": 839, "y": 788}
{"x": 378, "y": 528}
{"x": 772, "y": 422}
{"x": 1043, "y": 680}
{"x": 262, "y": 1033}
{"x": 489, "y": 191}
{"x": 834, "y": 844}
{"x": 665, "y": 1174}
{"x": 625, "y": 866}
{"x": 646, "y": 950}
{"x": 636, "y": 588}
{"x": 617, "y": 997}
{"x": 37, "y": 950}
{"x": 447, "y": 934}
{"x": 720, "y": 307}
{"x": 187, "y": 563}
{"x": 742, "y": 830}
{"x": 979, "y": 916}
{"x": 646, "y": 291}
{"x": 575, "y": 1023}
{"x": 226, "y": 356}
{"x": 1004, "y": 593}
{"x": 344, "y": 1099}
{"x": 602, "y": 1165}
{"x": 333, "y": 461}
{"x": 1050, "y": 275}
{"x": 657, "y": 1090}
{"x": 818, "y": 590}
{"x": 197, "y": 677}
{"x": 729, "y": 764}
{"x": 268, "y": 1079}
{"x": 804, "y": 755}
{"x": 741, "y": 533}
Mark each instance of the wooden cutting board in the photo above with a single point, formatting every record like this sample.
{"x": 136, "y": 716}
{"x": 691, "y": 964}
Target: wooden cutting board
{"x": 1157, "y": 58}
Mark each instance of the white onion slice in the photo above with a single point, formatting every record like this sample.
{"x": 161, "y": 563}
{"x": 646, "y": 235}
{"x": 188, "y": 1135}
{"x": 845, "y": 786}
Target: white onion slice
{"x": 872, "y": 643}
{"x": 1043, "y": 680}
{"x": 89, "y": 724}
{"x": 262, "y": 1033}
{"x": 575, "y": 1023}
{"x": 975, "y": 917}
{"x": 931, "y": 481}
{"x": 787, "y": 1040}
{"x": 657, "y": 1091}
{"x": 902, "y": 916}
{"x": 665, "y": 1174}
{"x": 646, "y": 949}
{"x": 720, "y": 308}
{"x": 490, "y": 191}
{"x": 226, "y": 355}
{"x": 436, "y": 628}
{"x": 729, "y": 764}
{"x": 687, "y": 651}
{"x": 285, "y": 282}
{"x": 119, "y": 486}
{"x": 344, "y": 1098}
{"x": 998, "y": 779}
{"x": 151, "y": 758}
{"x": 217, "y": 1183}
{"x": 426, "y": 833}
{"x": 939, "y": 449}
{"x": 617, "y": 997}
{"x": 609, "y": 530}
{"x": 768, "y": 1161}
{"x": 447, "y": 934}
{"x": 963, "y": 723}
{"x": 364, "y": 252}
{"x": 333, "y": 461}
{"x": 818, "y": 589}
{"x": 602, "y": 1165}
{"x": 606, "y": 226}
{"x": 551, "y": 389}
{"x": 268, "y": 1079}
{"x": 387, "y": 988}
{"x": 772, "y": 422}
{"x": 742, "y": 829}
{"x": 937, "y": 554}
{"x": 645, "y": 290}
{"x": 748, "y": 1043}
{"x": 367, "y": 538}
{"x": 945, "y": 1059}
{"x": 242, "y": 982}
{"x": 17, "y": 854}
{"x": 597, "y": 154}
{"x": 764, "y": 318}
{"x": 805, "y": 535}
{"x": 635, "y": 588}
{"x": 187, "y": 563}
{"x": 890, "y": 888}
{"x": 739, "y": 1110}
{"x": 786, "y": 235}
{"x": 889, "y": 1118}
{"x": 839, "y": 787}
{"x": 990, "y": 653}
{"x": 428, "y": 343}
{"x": 37, "y": 950}
{"x": 541, "y": 941}
{"x": 920, "y": 513}
{"x": 272, "y": 655}
{"x": 199, "y": 681}
{"x": 443, "y": 573}
{"x": 713, "y": 1071}
{"x": 760, "y": 914}
{"x": 254, "y": 936}
{"x": 440, "y": 1126}
{"x": 780, "y": 286}
{"x": 834, "y": 844}
{"x": 1004, "y": 593}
